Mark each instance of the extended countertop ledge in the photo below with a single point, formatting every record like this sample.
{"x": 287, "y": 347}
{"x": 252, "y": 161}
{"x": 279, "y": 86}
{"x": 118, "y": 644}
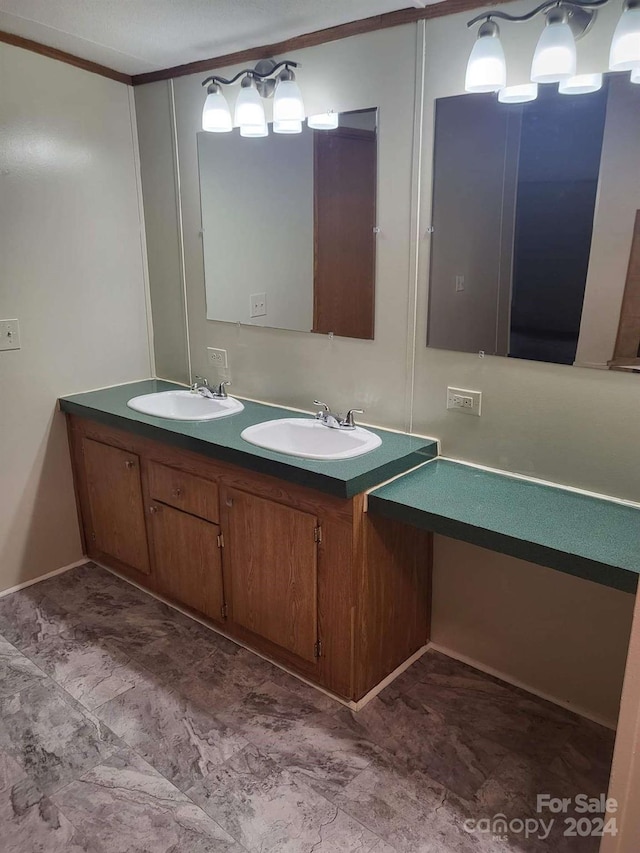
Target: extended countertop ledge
{"x": 220, "y": 439}
{"x": 583, "y": 535}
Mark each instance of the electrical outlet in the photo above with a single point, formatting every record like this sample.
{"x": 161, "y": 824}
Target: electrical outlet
{"x": 9, "y": 334}
{"x": 217, "y": 357}
{"x": 465, "y": 402}
{"x": 258, "y": 304}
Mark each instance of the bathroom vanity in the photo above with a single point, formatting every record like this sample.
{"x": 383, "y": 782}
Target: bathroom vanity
{"x": 278, "y": 552}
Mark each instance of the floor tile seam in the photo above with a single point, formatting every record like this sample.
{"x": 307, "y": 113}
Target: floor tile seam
{"x": 30, "y": 659}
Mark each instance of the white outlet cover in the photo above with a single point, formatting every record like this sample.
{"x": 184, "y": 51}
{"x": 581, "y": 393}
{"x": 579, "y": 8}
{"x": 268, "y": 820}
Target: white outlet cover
{"x": 258, "y": 304}
{"x": 458, "y": 401}
{"x": 9, "y": 334}
{"x": 217, "y": 357}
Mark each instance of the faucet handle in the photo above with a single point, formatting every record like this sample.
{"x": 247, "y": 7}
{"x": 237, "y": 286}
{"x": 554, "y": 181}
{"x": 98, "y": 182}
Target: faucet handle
{"x": 349, "y": 420}
{"x": 221, "y": 390}
{"x": 324, "y": 411}
{"x": 199, "y": 382}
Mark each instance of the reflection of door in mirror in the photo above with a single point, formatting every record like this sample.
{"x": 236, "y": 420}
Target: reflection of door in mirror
{"x": 626, "y": 355}
{"x": 345, "y": 205}
{"x": 533, "y": 216}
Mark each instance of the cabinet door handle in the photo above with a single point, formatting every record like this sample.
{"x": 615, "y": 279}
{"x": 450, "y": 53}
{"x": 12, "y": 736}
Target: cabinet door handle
{"x": 130, "y": 464}
{"x": 229, "y": 501}
{"x": 176, "y": 493}
{"x": 154, "y": 509}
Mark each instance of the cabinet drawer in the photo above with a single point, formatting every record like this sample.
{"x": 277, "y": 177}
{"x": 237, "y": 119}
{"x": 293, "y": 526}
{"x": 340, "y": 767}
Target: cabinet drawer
{"x": 184, "y": 491}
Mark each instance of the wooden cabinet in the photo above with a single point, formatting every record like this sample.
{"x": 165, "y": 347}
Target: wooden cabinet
{"x": 271, "y": 567}
{"x": 307, "y": 579}
{"x": 115, "y": 517}
{"x": 186, "y": 560}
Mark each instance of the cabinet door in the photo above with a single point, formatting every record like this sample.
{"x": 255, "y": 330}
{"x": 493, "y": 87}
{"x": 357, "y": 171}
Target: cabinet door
{"x": 187, "y": 564}
{"x": 271, "y": 571}
{"x": 115, "y": 502}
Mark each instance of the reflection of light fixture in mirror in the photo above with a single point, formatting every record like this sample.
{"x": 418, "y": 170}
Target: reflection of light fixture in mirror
{"x": 581, "y": 84}
{"x": 250, "y": 130}
{"x": 635, "y": 75}
{"x": 216, "y": 116}
{"x": 324, "y": 121}
{"x": 287, "y": 100}
{"x": 258, "y": 83}
{"x": 518, "y": 94}
{"x": 287, "y": 127}
{"x": 487, "y": 67}
{"x": 625, "y": 47}
{"x": 555, "y": 56}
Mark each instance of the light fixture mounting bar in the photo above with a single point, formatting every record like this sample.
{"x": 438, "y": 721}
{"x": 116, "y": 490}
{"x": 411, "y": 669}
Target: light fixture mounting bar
{"x": 580, "y": 14}
{"x": 264, "y": 69}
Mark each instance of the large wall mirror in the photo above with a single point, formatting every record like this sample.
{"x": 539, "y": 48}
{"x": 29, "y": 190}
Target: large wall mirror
{"x": 536, "y": 244}
{"x": 289, "y": 227}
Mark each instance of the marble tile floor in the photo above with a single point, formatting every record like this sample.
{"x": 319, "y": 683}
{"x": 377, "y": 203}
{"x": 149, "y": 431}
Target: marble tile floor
{"x": 126, "y": 727}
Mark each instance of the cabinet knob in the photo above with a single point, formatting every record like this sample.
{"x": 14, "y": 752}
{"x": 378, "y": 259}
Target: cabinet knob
{"x": 130, "y": 464}
{"x": 176, "y": 493}
{"x": 154, "y": 509}
{"x": 229, "y": 501}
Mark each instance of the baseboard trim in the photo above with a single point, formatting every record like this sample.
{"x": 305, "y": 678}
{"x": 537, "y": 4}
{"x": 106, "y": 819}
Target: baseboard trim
{"x": 52, "y": 574}
{"x": 359, "y": 705}
{"x": 489, "y": 670}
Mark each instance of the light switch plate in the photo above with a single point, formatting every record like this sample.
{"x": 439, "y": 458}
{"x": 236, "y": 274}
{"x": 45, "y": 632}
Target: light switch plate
{"x": 463, "y": 401}
{"x": 9, "y": 334}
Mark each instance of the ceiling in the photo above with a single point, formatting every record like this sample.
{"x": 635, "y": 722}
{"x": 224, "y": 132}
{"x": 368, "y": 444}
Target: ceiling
{"x": 136, "y": 36}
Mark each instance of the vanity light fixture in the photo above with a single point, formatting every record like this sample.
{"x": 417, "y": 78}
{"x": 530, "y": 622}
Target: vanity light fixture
{"x": 625, "y": 47}
{"x": 554, "y": 60}
{"x": 555, "y": 57}
{"x": 269, "y": 79}
{"x": 487, "y": 67}
{"x": 216, "y": 115}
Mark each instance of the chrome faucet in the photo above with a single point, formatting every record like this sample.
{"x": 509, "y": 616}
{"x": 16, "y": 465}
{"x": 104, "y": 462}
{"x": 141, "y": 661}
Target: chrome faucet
{"x": 201, "y": 386}
{"x": 328, "y": 418}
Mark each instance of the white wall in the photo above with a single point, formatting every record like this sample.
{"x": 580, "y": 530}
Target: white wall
{"x": 257, "y": 220}
{"x": 71, "y": 271}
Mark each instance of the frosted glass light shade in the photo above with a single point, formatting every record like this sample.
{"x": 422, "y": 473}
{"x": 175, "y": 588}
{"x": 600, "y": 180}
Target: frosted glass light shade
{"x": 287, "y": 127}
{"x": 555, "y": 56}
{"x": 635, "y": 75}
{"x": 581, "y": 84}
{"x": 487, "y": 67}
{"x": 287, "y": 102}
{"x": 216, "y": 115}
{"x": 625, "y": 46}
{"x": 249, "y": 111}
{"x": 518, "y": 94}
{"x": 251, "y": 130}
{"x": 324, "y": 121}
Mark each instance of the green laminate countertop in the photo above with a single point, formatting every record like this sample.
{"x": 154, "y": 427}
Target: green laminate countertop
{"x": 220, "y": 439}
{"x": 579, "y": 534}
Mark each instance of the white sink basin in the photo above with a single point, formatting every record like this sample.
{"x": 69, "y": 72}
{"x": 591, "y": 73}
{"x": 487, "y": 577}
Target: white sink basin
{"x": 185, "y": 406}
{"x": 311, "y": 439}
